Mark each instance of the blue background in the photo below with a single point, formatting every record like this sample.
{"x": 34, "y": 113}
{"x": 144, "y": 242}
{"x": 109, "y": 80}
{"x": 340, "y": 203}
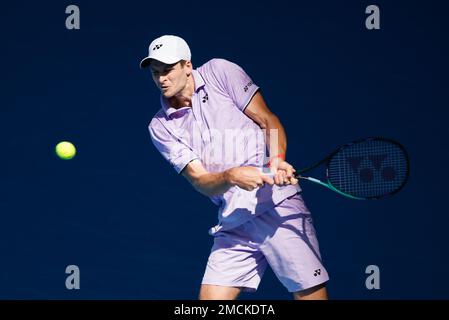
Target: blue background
{"x": 136, "y": 229}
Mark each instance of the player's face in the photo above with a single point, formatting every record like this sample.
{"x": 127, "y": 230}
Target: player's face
{"x": 171, "y": 79}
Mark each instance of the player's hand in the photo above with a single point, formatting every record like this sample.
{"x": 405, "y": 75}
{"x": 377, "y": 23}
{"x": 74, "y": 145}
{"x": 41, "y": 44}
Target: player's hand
{"x": 247, "y": 178}
{"x": 284, "y": 173}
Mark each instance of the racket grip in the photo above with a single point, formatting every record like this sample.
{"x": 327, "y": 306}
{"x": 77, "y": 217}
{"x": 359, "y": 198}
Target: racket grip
{"x": 269, "y": 174}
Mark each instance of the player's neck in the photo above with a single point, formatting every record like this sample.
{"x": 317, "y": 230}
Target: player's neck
{"x": 184, "y": 98}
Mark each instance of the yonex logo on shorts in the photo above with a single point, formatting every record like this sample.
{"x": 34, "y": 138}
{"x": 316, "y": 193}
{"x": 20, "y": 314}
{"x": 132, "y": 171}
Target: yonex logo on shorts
{"x": 317, "y": 272}
{"x": 157, "y": 46}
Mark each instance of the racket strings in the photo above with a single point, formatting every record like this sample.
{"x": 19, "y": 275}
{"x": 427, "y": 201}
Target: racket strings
{"x": 369, "y": 168}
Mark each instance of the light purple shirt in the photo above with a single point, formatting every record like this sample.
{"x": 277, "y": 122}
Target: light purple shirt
{"x": 217, "y": 132}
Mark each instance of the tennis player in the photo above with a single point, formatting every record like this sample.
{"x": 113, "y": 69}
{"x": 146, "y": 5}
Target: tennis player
{"x": 215, "y": 129}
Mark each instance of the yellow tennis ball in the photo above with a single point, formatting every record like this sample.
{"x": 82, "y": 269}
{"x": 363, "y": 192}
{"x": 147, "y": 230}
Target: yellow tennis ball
{"x": 65, "y": 150}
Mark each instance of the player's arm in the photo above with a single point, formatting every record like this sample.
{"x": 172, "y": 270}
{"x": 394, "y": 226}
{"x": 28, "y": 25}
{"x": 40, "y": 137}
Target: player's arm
{"x": 259, "y": 112}
{"x": 216, "y": 183}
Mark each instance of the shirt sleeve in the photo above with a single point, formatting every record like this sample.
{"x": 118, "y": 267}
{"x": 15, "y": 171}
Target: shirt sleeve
{"x": 175, "y": 152}
{"x": 234, "y": 81}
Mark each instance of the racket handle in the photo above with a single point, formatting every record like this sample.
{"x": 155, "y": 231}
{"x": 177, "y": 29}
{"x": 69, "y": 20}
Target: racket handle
{"x": 269, "y": 174}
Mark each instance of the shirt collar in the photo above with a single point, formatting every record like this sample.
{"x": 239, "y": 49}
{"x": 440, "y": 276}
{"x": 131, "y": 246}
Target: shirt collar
{"x": 199, "y": 83}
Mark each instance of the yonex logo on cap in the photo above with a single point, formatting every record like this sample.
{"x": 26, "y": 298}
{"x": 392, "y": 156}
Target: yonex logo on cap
{"x": 174, "y": 50}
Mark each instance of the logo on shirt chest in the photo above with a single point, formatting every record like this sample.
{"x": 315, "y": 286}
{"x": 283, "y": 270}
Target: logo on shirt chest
{"x": 205, "y": 98}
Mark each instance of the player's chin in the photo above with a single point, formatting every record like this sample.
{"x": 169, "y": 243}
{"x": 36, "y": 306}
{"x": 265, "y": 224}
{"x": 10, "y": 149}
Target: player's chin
{"x": 167, "y": 94}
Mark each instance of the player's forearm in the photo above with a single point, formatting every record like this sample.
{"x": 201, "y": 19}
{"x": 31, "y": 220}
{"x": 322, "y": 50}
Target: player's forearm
{"x": 276, "y": 137}
{"x": 213, "y": 183}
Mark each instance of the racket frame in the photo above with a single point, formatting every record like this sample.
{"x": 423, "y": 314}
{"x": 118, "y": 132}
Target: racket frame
{"x": 327, "y": 159}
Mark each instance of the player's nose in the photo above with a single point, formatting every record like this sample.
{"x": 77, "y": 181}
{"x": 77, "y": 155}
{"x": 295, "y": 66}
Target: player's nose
{"x": 161, "y": 80}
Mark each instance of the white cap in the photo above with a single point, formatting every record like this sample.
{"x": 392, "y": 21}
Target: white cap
{"x": 167, "y": 49}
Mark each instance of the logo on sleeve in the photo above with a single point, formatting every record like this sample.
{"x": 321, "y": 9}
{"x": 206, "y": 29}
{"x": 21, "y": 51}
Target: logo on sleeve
{"x": 317, "y": 272}
{"x": 247, "y": 86}
{"x": 157, "y": 46}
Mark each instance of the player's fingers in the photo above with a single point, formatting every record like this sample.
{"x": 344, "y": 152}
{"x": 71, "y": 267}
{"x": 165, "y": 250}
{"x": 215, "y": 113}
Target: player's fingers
{"x": 294, "y": 180}
{"x": 276, "y": 178}
{"x": 280, "y": 177}
{"x": 289, "y": 172}
{"x": 249, "y": 187}
{"x": 285, "y": 178}
{"x": 267, "y": 179}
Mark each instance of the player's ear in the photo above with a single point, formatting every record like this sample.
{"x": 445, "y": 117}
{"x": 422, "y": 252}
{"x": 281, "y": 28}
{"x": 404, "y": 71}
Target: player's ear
{"x": 188, "y": 65}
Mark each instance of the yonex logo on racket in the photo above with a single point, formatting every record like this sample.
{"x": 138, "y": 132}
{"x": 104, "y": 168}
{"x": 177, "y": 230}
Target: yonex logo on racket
{"x": 367, "y": 174}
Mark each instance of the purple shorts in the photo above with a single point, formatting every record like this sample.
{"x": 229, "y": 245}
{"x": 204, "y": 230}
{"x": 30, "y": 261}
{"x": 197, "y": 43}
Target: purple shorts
{"x": 283, "y": 237}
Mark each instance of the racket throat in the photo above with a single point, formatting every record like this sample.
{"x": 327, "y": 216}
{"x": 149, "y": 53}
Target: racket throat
{"x": 313, "y": 180}
{"x": 329, "y": 186}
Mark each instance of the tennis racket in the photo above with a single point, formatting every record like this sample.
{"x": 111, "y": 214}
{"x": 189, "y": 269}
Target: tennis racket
{"x": 370, "y": 168}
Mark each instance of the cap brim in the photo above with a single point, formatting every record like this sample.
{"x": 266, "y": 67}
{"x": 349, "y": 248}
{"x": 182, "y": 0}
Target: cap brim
{"x": 145, "y": 62}
{"x": 167, "y": 60}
